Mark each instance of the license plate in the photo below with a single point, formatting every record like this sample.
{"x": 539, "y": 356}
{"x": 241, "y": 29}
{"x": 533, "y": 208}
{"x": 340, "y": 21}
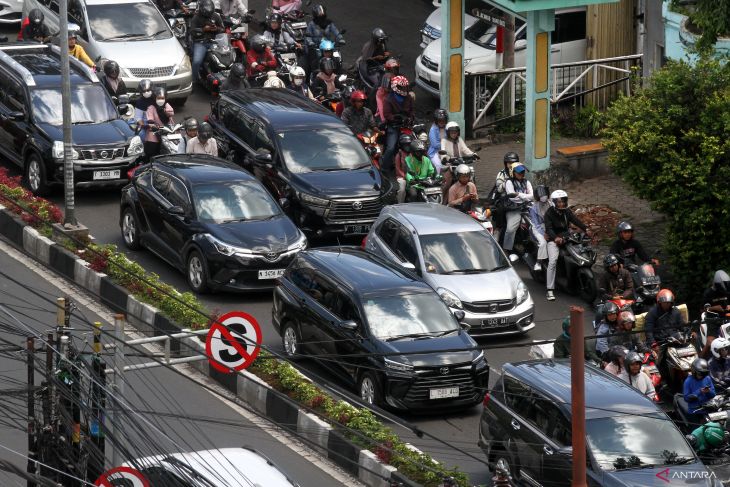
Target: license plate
{"x": 298, "y": 25}
{"x": 686, "y": 351}
{"x": 495, "y": 321}
{"x": 99, "y": 175}
{"x": 718, "y": 416}
{"x": 357, "y": 229}
{"x": 443, "y": 393}
{"x": 174, "y": 137}
{"x": 650, "y": 280}
{"x": 271, "y": 273}
{"x": 434, "y": 190}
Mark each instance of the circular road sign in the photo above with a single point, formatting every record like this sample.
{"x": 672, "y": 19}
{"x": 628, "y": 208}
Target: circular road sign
{"x": 122, "y": 477}
{"x": 233, "y": 342}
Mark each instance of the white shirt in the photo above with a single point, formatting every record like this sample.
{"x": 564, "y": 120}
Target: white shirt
{"x": 640, "y": 381}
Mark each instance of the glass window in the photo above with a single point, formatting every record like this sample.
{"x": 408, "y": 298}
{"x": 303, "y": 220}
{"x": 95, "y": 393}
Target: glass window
{"x": 127, "y": 21}
{"x": 393, "y": 317}
{"x": 178, "y": 195}
{"x": 387, "y": 231}
{"x": 461, "y": 253}
{"x": 517, "y": 396}
{"x": 223, "y": 201}
{"x": 76, "y": 14}
{"x": 11, "y": 95}
{"x": 242, "y": 126}
{"x": 405, "y": 247}
{"x": 322, "y": 150}
{"x": 563, "y": 433}
{"x": 89, "y": 104}
{"x": 570, "y": 27}
{"x": 262, "y": 140}
{"x": 161, "y": 182}
{"x": 345, "y": 309}
{"x": 633, "y": 441}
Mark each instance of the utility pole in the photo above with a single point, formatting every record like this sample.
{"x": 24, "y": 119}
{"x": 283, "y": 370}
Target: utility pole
{"x": 32, "y": 453}
{"x": 118, "y": 385}
{"x": 69, "y": 214}
{"x": 95, "y": 466}
{"x": 578, "y": 399}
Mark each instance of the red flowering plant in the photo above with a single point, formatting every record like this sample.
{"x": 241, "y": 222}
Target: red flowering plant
{"x": 35, "y": 211}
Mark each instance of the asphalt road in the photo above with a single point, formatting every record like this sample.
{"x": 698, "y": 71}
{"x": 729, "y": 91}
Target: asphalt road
{"x": 99, "y": 211}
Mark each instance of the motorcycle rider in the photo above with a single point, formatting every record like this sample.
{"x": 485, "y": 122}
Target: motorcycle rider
{"x": 397, "y": 111}
{"x": 717, "y": 300}
{"x": 698, "y": 390}
{"x": 561, "y": 346}
{"x": 273, "y": 80}
{"x": 144, "y": 101}
{"x": 111, "y": 80}
{"x": 326, "y": 82}
{"x": 286, "y": 6}
{"x": 327, "y": 49}
{"x": 537, "y": 218}
{"x": 236, "y": 79}
{"x": 158, "y": 115}
{"x": 462, "y": 193}
{"x": 36, "y": 30}
{"x": 373, "y": 56}
{"x": 78, "y": 51}
{"x": 204, "y": 143}
{"x": 418, "y": 167}
{"x": 404, "y": 150}
{"x": 522, "y": 189}
{"x": 452, "y": 146}
{"x": 616, "y": 281}
{"x": 496, "y": 196}
{"x": 627, "y": 248}
{"x": 205, "y": 24}
{"x": 709, "y": 436}
{"x": 298, "y": 85}
{"x": 606, "y": 328}
{"x": 320, "y": 27}
{"x": 276, "y": 37}
{"x": 357, "y": 116}
{"x": 392, "y": 69}
{"x": 191, "y": 131}
{"x": 557, "y": 224}
{"x": 719, "y": 364}
{"x": 625, "y": 336}
{"x": 436, "y": 133}
{"x": 633, "y": 375}
{"x": 233, "y": 8}
{"x": 259, "y": 58}
{"x": 663, "y": 319}
{"x": 615, "y": 357}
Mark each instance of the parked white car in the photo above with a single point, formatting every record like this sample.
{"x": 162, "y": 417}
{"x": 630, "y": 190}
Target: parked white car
{"x": 131, "y": 32}
{"x": 568, "y": 46}
{"x": 431, "y": 29}
{"x": 10, "y": 11}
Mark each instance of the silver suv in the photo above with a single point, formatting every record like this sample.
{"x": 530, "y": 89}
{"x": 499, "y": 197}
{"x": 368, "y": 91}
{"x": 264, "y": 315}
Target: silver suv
{"x": 131, "y": 32}
{"x": 453, "y": 254}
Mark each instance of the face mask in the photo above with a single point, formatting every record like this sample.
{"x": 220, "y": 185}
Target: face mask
{"x": 147, "y": 94}
{"x": 160, "y": 103}
{"x": 543, "y": 199}
{"x": 298, "y": 82}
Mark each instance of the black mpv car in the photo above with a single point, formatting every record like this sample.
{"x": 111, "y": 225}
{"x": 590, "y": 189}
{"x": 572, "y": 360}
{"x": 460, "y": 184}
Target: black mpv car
{"x": 525, "y": 426}
{"x": 210, "y": 219}
{"x": 346, "y": 302}
{"x": 303, "y": 153}
{"x": 31, "y": 134}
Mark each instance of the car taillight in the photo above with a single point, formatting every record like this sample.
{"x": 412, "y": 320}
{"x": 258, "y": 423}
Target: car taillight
{"x": 486, "y": 400}
{"x": 205, "y": 118}
{"x": 364, "y": 241}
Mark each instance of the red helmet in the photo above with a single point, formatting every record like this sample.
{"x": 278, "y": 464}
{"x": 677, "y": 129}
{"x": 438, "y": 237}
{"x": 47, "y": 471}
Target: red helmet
{"x": 391, "y": 64}
{"x": 665, "y": 296}
{"x": 400, "y": 85}
{"x": 358, "y": 95}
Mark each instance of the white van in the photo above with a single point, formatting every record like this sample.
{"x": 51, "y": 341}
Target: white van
{"x": 568, "y": 46}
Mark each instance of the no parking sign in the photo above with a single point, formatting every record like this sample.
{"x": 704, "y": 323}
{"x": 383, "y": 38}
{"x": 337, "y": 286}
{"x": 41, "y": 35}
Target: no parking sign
{"x": 233, "y": 342}
{"x": 122, "y": 477}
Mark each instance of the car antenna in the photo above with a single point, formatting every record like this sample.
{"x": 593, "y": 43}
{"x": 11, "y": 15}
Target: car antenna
{"x": 339, "y": 246}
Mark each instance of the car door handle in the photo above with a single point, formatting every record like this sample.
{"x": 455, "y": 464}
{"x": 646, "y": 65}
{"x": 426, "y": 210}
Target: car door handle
{"x": 515, "y": 424}
{"x": 555, "y": 49}
{"x": 547, "y": 450}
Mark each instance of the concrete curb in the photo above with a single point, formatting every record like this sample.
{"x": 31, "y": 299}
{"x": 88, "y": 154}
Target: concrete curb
{"x": 149, "y": 321}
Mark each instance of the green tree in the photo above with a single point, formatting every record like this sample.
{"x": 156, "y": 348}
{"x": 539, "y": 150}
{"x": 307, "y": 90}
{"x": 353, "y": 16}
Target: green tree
{"x": 710, "y": 17}
{"x": 670, "y": 143}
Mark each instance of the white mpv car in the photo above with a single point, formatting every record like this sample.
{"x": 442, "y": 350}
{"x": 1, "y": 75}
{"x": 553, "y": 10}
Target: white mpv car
{"x": 568, "y": 46}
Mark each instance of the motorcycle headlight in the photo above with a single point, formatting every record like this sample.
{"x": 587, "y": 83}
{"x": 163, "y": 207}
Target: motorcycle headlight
{"x": 300, "y": 244}
{"x": 397, "y": 366}
{"x": 184, "y": 66}
{"x": 227, "y": 249}
{"x": 136, "y": 146}
{"x": 57, "y": 151}
{"x": 522, "y": 293}
{"x": 451, "y": 300}
{"x": 313, "y": 200}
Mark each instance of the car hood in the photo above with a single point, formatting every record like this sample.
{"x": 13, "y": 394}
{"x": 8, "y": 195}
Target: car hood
{"x": 273, "y": 235}
{"x": 434, "y": 20}
{"x": 491, "y": 286}
{"x": 339, "y": 184}
{"x": 106, "y": 133}
{"x": 471, "y": 51}
{"x": 143, "y": 54}
{"x": 435, "y": 359}
{"x": 695, "y": 475}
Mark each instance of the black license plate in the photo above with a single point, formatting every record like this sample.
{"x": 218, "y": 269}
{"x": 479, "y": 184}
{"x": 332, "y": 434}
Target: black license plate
{"x": 357, "y": 229}
{"x": 495, "y": 322}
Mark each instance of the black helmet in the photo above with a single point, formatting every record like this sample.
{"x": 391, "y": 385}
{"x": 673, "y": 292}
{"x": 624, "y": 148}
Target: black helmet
{"x": 35, "y": 16}
{"x": 700, "y": 368}
{"x": 191, "y": 124}
{"x": 378, "y": 35}
{"x": 326, "y": 64}
{"x": 275, "y": 17}
{"x": 721, "y": 282}
{"x": 418, "y": 146}
{"x": 258, "y": 43}
{"x": 319, "y": 11}
{"x": 609, "y": 260}
{"x": 237, "y": 71}
{"x": 616, "y": 352}
{"x": 541, "y": 192}
{"x": 440, "y": 114}
{"x": 160, "y": 91}
{"x": 610, "y": 308}
{"x": 633, "y": 357}
{"x": 624, "y": 226}
{"x": 510, "y": 158}
{"x": 111, "y": 68}
{"x": 144, "y": 85}
{"x": 205, "y": 132}
{"x": 404, "y": 141}
{"x": 207, "y": 8}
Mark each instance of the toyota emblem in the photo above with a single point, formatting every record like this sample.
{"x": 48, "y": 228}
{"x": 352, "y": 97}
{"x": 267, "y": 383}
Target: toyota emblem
{"x": 271, "y": 255}
{"x": 357, "y": 205}
{"x": 444, "y": 370}
{"x": 493, "y": 308}
{"x": 104, "y": 154}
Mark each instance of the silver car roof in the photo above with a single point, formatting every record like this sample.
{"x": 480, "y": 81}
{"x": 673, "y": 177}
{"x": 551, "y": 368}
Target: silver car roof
{"x": 433, "y": 218}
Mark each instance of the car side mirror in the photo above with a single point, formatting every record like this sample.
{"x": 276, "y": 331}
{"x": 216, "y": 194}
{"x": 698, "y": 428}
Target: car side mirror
{"x": 176, "y": 210}
{"x": 465, "y": 326}
{"x": 16, "y": 115}
{"x": 513, "y": 258}
{"x": 349, "y": 325}
{"x": 459, "y": 314}
{"x": 284, "y": 203}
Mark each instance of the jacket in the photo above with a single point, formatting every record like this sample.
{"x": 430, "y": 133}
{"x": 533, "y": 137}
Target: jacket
{"x": 537, "y": 216}
{"x": 121, "y": 87}
{"x": 604, "y": 328}
{"x": 198, "y": 22}
{"x": 660, "y": 325}
{"x": 320, "y": 86}
{"x": 502, "y": 177}
{"x": 264, "y": 62}
{"x": 391, "y": 108}
{"x": 435, "y": 134}
{"x": 627, "y": 251}
{"x": 153, "y": 117}
{"x": 557, "y": 223}
{"x": 314, "y": 34}
{"x": 720, "y": 370}
{"x": 629, "y": 340}
{"x": 450, "y": 147}
{"x": 30, "y": 32}
{"x": 640, "y": 381}
{"x": 693, "y": 387}
{"x": 417, "y": 170}
{"x": 79, "y": 53}
{"x": 523, "y": 190}
{"x": 280, "y": 38}
{"x": 358, "y": 120}
{"x": 616, "y": 284}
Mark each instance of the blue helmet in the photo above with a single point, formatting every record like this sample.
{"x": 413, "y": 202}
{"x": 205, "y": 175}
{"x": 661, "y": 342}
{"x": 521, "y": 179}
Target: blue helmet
{"x": 326, "y": 45}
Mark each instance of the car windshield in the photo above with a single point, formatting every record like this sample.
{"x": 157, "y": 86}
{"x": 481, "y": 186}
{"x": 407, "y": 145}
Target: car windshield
{"x": 392, "y": 317}
{"x": 322, "y": 150}
{"x": 482, "y": 33}
{"x": 89, "y": 104}
{"x": 127, "y": 21}
{"x": 223, "y": 202}
{"x": 461, "y": 253}
{"x": 633, "y": 441}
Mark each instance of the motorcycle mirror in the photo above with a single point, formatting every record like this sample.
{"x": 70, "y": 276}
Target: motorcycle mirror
{"x": 513, "y": 258}
{"x": 459, "y": 314}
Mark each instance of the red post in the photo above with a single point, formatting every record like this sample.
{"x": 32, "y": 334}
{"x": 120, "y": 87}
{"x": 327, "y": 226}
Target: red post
{"x": 500, "y": 39}
{"x": 578, "y": 402}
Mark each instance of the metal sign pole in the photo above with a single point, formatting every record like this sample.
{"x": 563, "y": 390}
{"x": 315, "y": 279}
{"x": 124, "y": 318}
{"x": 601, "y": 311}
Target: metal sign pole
{"x": 68, "y": 162}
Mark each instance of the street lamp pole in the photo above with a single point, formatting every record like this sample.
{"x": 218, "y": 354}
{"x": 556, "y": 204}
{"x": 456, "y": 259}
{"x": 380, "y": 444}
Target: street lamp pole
{"x": 68, "y": 162}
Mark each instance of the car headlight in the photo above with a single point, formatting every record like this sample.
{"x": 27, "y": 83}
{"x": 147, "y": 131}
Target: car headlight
{"x": 227, "y": 249}
{"x": 136, "y": 146}
{"x": 300, "y": 244}
{"x": 522, "y": 292}
{"x": 57, "y": 151}
{"x": 451, "y": 300}
{"x": 397, "y": 366}
{"x": 184, "y": 66}
{"x": 313, "y": 200}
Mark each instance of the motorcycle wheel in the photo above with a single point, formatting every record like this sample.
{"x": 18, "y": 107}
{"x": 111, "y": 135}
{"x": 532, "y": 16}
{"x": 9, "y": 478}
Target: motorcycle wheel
{"x": 438, "y": 199}
{"x": 586, "y": 285}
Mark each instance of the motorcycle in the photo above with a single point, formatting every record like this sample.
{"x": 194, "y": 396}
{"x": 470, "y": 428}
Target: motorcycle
{"x": 369, "y": 141}
{"x": 170, "y": 137}
{"x": 124, "y": 107}
{"x": 679, "y": 355}
{"x": 712, "y": 319}
{"x": 482, "y": 215}
{"x": 237, "y": 32}
{"x": 217, "y": 63}
{"x": 428, "y": 190}
{"x": 451, "y": 163}
{"x": 646, "y": 285}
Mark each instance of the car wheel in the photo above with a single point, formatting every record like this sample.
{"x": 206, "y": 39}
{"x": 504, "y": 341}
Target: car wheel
{"x": 290, "y": 341}
{"x": 369, "y": 388}
{"x": 197, "y": 272}
{"x": 130, "y": 229}
{"x": 35, "y": 175}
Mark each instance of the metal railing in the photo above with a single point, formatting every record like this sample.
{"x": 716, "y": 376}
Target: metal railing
{"x": 500, "y": 94}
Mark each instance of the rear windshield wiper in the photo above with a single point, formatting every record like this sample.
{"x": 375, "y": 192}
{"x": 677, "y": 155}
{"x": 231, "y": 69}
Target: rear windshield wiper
{"x": 125, "y": 36}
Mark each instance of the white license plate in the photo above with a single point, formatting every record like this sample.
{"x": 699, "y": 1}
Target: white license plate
{"x": 357, "y": 229}
{"x": 686, "y": 351}
{"x": 174, "y": 137}
{"x": 718, "y": 416}
{"x": 495, "y": 322}
{"x": 298, "y": 25}
{"x": 271, "y": 273}
{"x": 443, "y": 393}
{"x": 433, "y": 190}
{"x": 98, "y": 175}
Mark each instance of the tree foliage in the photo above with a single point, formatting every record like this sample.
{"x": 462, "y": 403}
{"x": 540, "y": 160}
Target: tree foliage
{"x": 670, "y": 142}
{"x": 710, "y": 17}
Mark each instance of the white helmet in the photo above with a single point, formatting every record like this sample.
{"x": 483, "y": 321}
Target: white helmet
{"x": 559, "y": 194}
{"x": 452, "y": 125}
{"x": 717, "y": 345}
{"x": 463, "y": 169}
{"x": 297, "y": 72}
{"x": 273, "y": 81}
